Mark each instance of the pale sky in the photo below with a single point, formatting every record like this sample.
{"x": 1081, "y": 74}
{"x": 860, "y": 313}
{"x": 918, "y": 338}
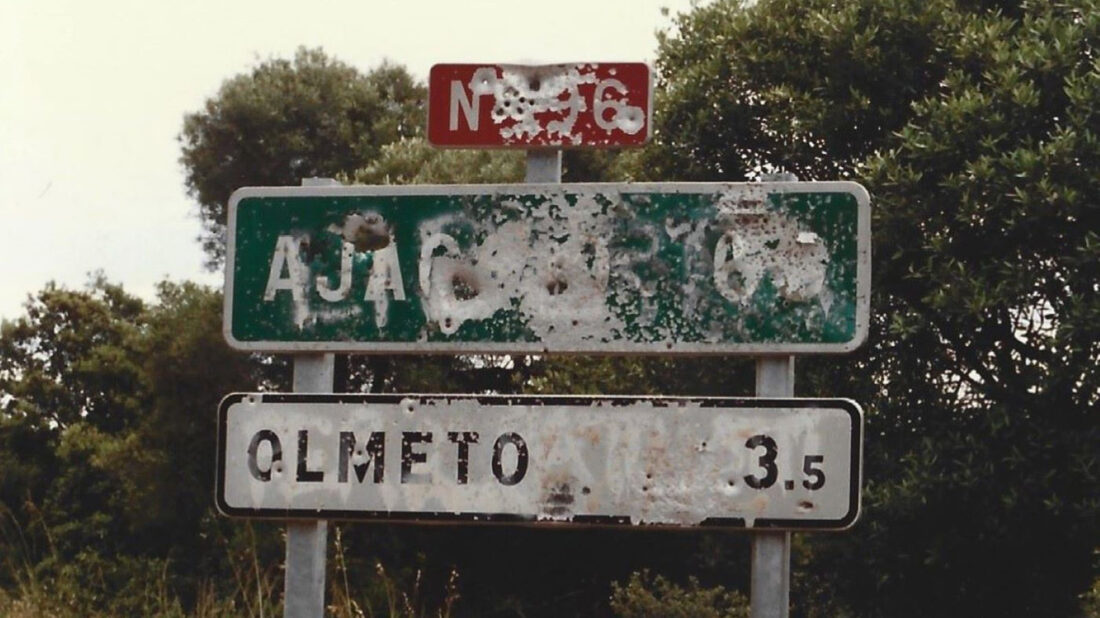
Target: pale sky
{"x": 93, "y": 94}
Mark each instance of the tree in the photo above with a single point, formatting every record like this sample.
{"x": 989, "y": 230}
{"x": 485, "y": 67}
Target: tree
{"x": 973, "y": 127}
{"x": 288, "y": 120}
{"x": 107, "y": 430}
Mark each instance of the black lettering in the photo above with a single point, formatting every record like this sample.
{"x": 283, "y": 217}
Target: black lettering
{"x": 463, "y": 441}
{"x": 409, "y": 457}
{"x": 264, "y": 435}
{"x": 766, "y": 461}
{"x": 521, "y": 458}
{"x": 817, "y": 473}
{"x": 374, "y": 451}
{"x": 304, "y": 474}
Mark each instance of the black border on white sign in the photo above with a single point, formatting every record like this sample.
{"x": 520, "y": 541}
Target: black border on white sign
{"x": 849, "y": 406}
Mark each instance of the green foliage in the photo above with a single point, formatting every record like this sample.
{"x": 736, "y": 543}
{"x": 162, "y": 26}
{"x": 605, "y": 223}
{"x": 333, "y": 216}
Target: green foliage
{"x": 414, "y": 161}
{"x": 1090, "y": 601}
{"x": 292, "y": 119}
{"x": 973, "y": 125}
{"x": 974, "y": 129}
{"x": 107, "y": 429}
{"x": 71, "y": 358}
{"x": 645, "y": 596}
{"x": 805, "y": 87}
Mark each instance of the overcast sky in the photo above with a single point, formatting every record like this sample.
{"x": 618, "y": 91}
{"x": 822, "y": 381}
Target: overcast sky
{"x": 92, "y": 97}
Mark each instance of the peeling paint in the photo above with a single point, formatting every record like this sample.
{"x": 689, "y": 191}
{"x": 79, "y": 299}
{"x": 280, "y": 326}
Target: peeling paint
{"x": 595, "y": 268}
{"x": 646, "y": 461}
{"x": 589, "y": 104}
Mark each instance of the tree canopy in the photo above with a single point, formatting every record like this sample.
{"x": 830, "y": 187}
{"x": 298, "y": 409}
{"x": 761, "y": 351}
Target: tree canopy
{"x": 973, "y": 128}
{"x": 286, "y": 120}
{"x": 972, "y": 124}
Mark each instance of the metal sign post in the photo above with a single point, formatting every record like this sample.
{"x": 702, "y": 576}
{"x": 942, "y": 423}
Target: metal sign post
{"x": 770, "y": 589}
{"x": 543, "y": 166}
{"x": 307, "y": 541}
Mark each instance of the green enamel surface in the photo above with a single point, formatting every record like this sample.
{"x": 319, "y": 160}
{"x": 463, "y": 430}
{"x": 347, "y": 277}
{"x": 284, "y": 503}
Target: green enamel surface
{"x": 658, "y": 250}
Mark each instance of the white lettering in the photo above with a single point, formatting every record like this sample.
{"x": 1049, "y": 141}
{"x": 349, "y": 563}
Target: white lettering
{"x": 286, "y": 257}
{"x": 340, "y": 293}
{"x": 626, "y": 118}
{"x": 385, "y": 274}
{"x": 470, "y": 108}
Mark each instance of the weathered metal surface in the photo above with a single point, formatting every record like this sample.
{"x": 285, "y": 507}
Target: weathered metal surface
{"x": 525, "y": 106}
{"x": 766, "y": 463}
{"x": 696, "y": 268}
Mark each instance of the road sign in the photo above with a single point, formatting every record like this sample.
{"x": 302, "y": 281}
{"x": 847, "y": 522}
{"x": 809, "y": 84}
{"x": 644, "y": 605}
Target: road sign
{"x": 526, "y": 106}
{"x": 765, "y": 463}
{"x": 697, "y": 268}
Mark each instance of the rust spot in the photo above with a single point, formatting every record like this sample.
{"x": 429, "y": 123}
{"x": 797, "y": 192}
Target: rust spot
{"x": 464, "y": 286}
{"x": 556, "y": 286}
{"x": 591, "y": 434}
{"x": 759, "y": 503}
{"x": 558, "y": 500}
{"x": 367, "y": 231}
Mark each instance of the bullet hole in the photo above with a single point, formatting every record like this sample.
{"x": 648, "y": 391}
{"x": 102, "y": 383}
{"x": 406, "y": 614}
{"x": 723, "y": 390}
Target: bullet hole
{"x": 557, "y": 286}
{"x": 586, "y": 490}
{"x": 576, "y": 322}
{"x": 276, "y": 448}
{"x": 534, "y": 84}
{"x": 805, "y": 505}
{"x": 366, "y": 231}
{"x": 464, "y": 286}
{"x": 730, "y": 482}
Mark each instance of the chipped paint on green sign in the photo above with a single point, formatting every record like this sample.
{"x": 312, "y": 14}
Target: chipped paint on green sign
{"x": 599, "y": 268}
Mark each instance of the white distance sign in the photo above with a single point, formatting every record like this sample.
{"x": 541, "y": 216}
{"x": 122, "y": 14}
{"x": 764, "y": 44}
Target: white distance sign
{"x": 656, "y": 461}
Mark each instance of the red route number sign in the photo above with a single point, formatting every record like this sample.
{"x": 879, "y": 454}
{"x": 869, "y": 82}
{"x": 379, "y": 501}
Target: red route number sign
{"x": 525, "y": 106}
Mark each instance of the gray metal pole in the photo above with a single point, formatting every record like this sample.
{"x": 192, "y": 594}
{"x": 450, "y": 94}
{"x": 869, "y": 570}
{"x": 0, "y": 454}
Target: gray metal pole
{"x": 307, "y": 541}
{"x": 771, "y": 551}
{"x": 543, "y": 165}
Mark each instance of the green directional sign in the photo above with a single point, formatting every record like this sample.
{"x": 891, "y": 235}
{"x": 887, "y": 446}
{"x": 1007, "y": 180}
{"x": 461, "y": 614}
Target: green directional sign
{"x": 693, "y": 268}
